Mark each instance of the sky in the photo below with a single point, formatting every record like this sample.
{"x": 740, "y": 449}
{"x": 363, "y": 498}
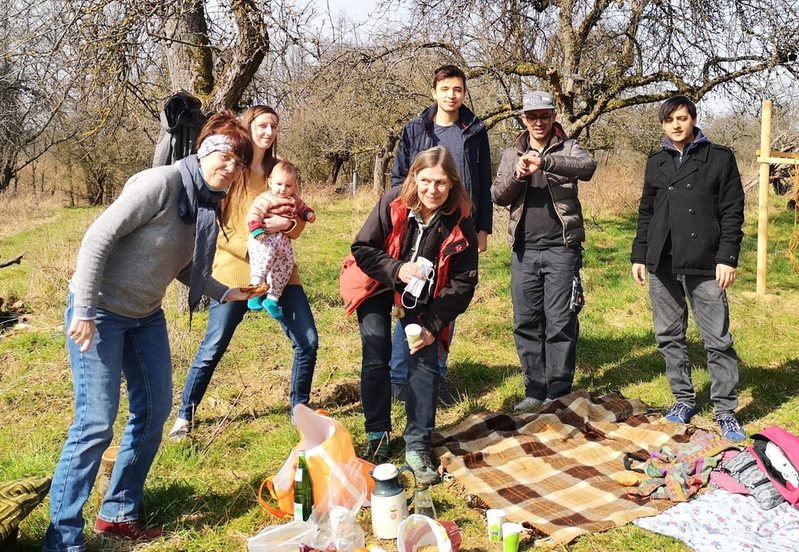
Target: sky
{"x": 357, "y": 10}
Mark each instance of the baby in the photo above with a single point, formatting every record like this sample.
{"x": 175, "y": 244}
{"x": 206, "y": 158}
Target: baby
{"x": 271, "y": 255}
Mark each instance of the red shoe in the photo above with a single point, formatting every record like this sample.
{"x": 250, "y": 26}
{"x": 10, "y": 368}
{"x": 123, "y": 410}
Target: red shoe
{"x": 131, "y": 530}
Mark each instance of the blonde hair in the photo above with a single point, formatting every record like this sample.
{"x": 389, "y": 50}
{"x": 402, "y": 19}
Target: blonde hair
{"x": 458, "y": 198}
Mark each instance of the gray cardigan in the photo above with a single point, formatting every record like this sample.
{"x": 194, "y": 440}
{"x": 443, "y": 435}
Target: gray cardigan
{"x": 135, "y": 248}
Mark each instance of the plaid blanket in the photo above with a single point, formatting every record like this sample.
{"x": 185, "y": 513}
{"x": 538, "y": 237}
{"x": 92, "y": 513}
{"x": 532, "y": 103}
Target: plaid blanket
{"x": 552, "y": 469}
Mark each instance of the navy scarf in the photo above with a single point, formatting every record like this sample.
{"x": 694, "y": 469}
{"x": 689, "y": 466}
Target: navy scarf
{"x": 199, "y": 204}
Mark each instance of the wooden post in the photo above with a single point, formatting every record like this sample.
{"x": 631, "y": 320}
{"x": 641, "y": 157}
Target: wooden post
{"x": 763, "y": 191}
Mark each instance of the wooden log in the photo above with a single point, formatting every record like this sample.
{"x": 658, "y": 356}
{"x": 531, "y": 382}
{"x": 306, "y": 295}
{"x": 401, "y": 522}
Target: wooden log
{"x": 15, "y": 260}
{"x": 762, "y": 213}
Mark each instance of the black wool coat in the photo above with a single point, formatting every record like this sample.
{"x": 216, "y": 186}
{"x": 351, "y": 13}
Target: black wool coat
{"x": 701, "y": 204}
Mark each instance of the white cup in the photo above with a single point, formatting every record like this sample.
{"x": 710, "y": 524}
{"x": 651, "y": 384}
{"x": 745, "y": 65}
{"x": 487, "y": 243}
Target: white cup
{"x": 413, "y": 333}
{"x": 495, "y": 519}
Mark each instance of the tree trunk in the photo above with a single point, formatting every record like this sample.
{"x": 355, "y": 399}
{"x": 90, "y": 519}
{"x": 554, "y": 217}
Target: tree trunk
{"x": 189, "y": 57}
{"x": 382, "y": 159}
{"x": 252, "y": 47}
{"x": 335, "y": 168}
{"x": 7, "y": 173}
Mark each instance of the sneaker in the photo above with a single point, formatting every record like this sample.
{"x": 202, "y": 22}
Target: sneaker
{"x": 180, "y": 430}
{"x": 424, "y": 470}
{"x": 399, "y": 391}
{"x": 447, "y": 395}
{"x": 130, "y": 530}
{"x": 272, "y": 308}
{"x": 680, "y": 413}
{"x": 529, "y": 404}
{"x": 730, "y": 428}
{"x": 254, "y": 303}
{"x": 378, "y": 447}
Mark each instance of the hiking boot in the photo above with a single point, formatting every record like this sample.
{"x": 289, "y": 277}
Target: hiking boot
{"x": 680, "y": 413}
{"x": 730, "y": 428}
{"x": 399, "y": 391}
{"x": 378, "y": 447}
{"x": 424, "y": 470}
{"x": 447, "y": 395}
{"x": 529, "y": 404}
{"x": 180, "y": 430}
{"x": 130, "y": 530}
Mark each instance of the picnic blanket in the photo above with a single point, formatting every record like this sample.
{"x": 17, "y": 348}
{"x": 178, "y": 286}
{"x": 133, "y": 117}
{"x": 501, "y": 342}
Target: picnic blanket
{"x": 552, "y": 469}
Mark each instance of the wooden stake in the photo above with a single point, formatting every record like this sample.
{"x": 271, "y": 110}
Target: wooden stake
{"x": 763, "y": 191}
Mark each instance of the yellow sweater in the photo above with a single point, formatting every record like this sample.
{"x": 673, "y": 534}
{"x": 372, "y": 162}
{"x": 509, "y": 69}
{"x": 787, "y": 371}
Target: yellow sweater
{"x": 231, "y": 263}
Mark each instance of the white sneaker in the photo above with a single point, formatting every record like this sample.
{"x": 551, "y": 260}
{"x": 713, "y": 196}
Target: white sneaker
{"x": 529, "y": 404}
{"x": 180, "y": 430}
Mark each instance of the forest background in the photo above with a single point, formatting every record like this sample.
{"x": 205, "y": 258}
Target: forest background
{"x": 81, "y": 86}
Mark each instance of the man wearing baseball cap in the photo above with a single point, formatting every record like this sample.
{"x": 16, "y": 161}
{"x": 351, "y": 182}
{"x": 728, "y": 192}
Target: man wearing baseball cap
{"x": 537, "y": 179}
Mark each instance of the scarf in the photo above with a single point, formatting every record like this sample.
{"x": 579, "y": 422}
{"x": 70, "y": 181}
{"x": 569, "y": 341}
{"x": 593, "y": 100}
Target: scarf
{"x": 199, "y": 204}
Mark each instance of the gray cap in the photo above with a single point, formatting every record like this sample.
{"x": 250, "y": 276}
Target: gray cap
{"x": 533, "y": 101}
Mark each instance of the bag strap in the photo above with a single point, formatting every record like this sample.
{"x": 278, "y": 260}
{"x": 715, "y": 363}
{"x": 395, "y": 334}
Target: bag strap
{"x": 270, "y": 485}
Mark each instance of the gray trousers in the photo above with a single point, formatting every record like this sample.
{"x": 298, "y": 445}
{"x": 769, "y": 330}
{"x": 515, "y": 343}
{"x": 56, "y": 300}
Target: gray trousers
{"x": 712, "y": 314}
{"x": 545, "y": 326}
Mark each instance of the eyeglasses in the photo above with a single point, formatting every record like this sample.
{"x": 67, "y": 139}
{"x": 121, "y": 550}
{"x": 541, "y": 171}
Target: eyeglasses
{"x": 238, "y": 166}
{"x": 533, "y": 118}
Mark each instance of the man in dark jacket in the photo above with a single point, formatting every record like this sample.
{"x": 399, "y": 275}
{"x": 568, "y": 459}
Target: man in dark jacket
{"x": 688, "y": 239}
{"x": 451, "y": 124}
{"x": 537, "y": 179}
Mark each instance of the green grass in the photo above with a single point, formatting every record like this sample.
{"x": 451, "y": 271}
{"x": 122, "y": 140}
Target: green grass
{"x": 204, "y": 491}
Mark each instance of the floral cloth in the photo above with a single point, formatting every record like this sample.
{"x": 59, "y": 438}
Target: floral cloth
{"x": 719, "y": 521}
{"x": 677, "y": 473}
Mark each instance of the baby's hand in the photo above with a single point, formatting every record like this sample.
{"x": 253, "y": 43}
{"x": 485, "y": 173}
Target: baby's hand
{"x": 261, "y": 237}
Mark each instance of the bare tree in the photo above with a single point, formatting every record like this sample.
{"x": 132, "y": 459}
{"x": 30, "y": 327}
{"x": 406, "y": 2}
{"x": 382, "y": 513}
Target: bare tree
{"x": 69, "y": 67}
{"x": 598, "y": 56}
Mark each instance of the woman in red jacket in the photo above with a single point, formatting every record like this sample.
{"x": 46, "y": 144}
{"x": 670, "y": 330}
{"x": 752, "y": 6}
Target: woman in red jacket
{"x": 428, "y": 217}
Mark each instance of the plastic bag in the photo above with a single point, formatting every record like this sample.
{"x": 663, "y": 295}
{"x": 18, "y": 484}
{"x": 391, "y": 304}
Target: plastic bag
{"x": 282, "y": 538}
{"x": 417, "y": 531}
{"x": 338, "y": 526}
{"x": 328, "y": 447}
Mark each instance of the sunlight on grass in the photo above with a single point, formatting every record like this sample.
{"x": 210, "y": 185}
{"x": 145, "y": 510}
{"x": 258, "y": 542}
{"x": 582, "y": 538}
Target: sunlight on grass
{"x": 204, "y": 489}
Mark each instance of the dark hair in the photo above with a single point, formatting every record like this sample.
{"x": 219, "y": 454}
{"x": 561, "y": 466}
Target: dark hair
{"x": 458, "y": 198}
{"x": 448, "y": 72}
{"x": 226, "y": 123}
{"x": 673, "y": 104}
{"x": 252, "y": 113}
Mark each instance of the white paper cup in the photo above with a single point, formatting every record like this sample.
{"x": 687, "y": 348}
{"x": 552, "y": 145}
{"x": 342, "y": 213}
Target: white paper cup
{"x": 511, "y": 533}
{"x": 495, "y": 518}
{"x": 413, "y": 333}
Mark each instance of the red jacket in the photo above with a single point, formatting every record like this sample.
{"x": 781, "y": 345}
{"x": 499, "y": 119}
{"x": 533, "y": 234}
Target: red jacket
{"x": 375, "y": 263}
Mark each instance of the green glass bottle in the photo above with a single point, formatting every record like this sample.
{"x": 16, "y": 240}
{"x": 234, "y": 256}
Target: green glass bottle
{"x": 303, "y": 492}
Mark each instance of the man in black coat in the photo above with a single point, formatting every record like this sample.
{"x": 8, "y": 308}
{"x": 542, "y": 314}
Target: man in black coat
{"x": 688, "y": 240}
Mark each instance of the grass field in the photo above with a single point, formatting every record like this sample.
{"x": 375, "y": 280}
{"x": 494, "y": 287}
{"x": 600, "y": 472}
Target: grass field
{"x": 204, "y": 490}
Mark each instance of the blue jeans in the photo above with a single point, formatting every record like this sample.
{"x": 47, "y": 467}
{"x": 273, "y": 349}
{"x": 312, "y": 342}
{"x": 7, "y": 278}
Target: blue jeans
{"x": 374, "y": 321}
{"x": 401, "y": 355}
{"x": 712, "y": 314}
{"x": 223, "y": 319}
{"x": 137, "y": 348}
